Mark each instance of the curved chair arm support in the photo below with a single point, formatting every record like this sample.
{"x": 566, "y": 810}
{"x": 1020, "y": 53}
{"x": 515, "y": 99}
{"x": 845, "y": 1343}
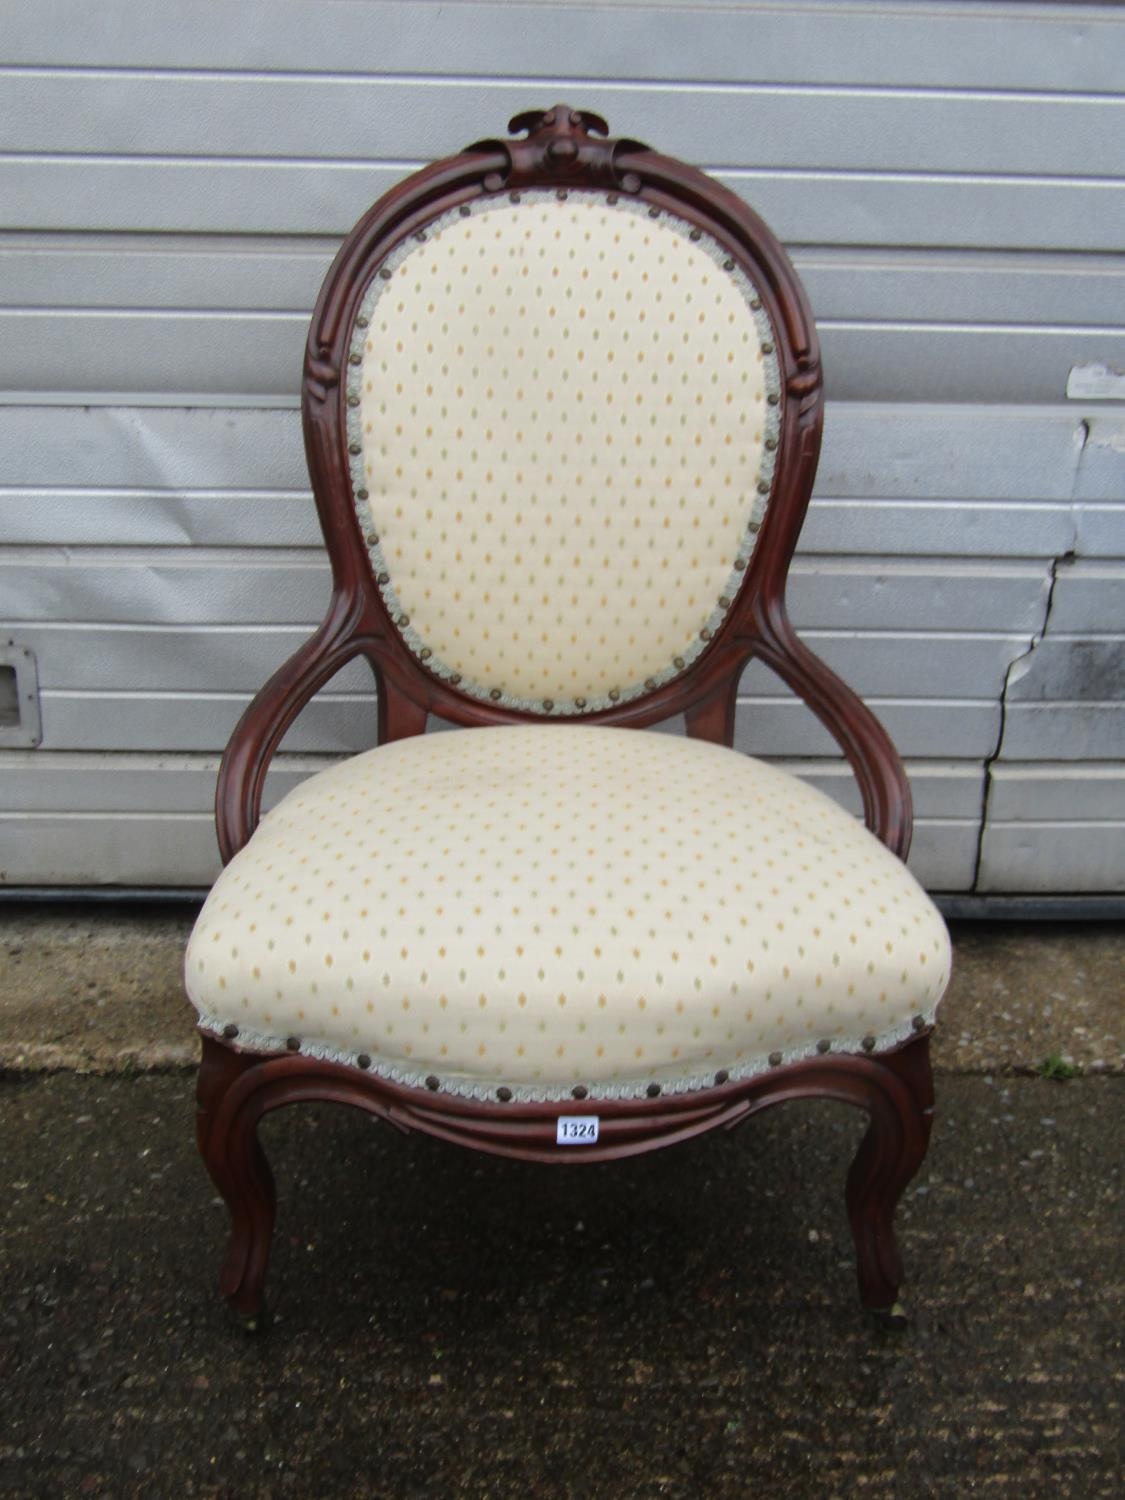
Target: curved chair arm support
{"x": 242, "y": 774}
{"x": 887, "y": 806}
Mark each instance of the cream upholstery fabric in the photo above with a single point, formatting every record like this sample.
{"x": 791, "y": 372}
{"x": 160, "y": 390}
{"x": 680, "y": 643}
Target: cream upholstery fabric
{"x": 562, "y": 421}
{"x": 549, "y": 905}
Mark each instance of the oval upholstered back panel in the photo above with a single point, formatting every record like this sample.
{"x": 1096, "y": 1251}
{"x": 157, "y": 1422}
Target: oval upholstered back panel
{"x": 562, "y": 421}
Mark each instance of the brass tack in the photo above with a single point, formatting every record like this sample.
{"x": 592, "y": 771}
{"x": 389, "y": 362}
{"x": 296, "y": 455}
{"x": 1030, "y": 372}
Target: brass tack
{"x": 763, "y": 486}
{"x": 631, "y": 182}
{"x": 354, "y": 448}
{"x": 614, "y": 695}
{"x": 293, "y": 1043}
{"x": 385, "y": 272}
{"x": 678, "y": 661}
{"x": 611, "y": 197}
{"x": 230, "y": 1031}
{"x": 824, "y": 1045}
{"x": 696, "y": 234}
{"x": 548, "y": 704}
{"x": 363, "y": 1060}
{"x": 579, "y": 1091}
{"x": 493, "y": 182}
{"x": 580, "y": 703}
{"x": 721, "y": 1076}
{"x": 562, "y": 195}
{"x": 355, "y": 359}
{"x": 372, "y": 539}
{"x": 771, "y": 445}
{"x": 728, "y": 265}
{"x": 515, "y": 197}
{"x": 455, "y": 678}
{"x": 361, "y": 494}
{"x": 425, "y": 653}
{"x": 724, "y": 602}
{"x": 650, "y": 683}
{"x": 767, "y": 348}
{"x": 753, "y": 527}
{"x": 353, "y": 400}
{"x": 773, "y": 398}
{"x": 495, "y": 694}
{"x": 465, "y": 211}
{"x": 756, "y": 303}
{"x": 705, "y": 634}
{"x": 740, "y": 564}
{"x": 420, "y": 234}
{"x": 653, "y": 1091}
{"x": 383, "y": 578}
{"x": 775, "y": 1059}
{"x": 869, "y": 1044}
{"x": 919, "y": 1023}
{"x": 403, "y": 621}
{"x": 503, "y": 1094}
{"x": 361, "y": 322}
{"x": 654, "y": 212}
{"x": 433, "y": 1083}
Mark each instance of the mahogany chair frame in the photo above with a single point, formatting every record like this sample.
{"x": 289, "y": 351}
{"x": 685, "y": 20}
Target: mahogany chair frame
{"x": 562, "y": 149}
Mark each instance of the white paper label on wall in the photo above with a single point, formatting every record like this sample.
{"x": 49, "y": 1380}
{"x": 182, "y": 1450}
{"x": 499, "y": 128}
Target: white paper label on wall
{"x": 576, "y": 1130}
{"x": 1095, "y": 382}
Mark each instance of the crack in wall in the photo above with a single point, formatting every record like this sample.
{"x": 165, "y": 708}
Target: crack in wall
{"x": 1017, "y": 668}
{"x": 1020, "y": 665}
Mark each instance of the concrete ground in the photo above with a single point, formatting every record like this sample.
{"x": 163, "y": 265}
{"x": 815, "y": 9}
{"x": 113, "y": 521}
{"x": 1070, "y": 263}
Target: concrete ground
{"x": 684, "y": 1325}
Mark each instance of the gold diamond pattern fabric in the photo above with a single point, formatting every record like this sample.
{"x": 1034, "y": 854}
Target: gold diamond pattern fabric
{"x": 563, "y": 418}
{"x": 542, "y": 906}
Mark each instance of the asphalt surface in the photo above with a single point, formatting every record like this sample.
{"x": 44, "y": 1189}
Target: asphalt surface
{"x": 684, "y": 1325}
{"x": 445, "y": 1325}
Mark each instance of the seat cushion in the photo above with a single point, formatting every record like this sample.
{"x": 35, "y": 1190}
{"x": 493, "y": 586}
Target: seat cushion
{"x": 545, "y": 906}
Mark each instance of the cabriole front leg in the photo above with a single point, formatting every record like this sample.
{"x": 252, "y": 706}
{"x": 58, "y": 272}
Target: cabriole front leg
{"x": 227, "y": 1128}
{"x": 890, "y": 1153}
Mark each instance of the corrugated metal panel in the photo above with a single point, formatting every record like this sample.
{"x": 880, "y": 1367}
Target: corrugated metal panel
{"x": 92, "y": 850}
{"x": 1062, "y": 826}
{"x": 77, "y": 804}
{"x": 1042, "y": 858}
{"x": 951, "y": 480}
{"x": 753, "y": 126}
{"x": 237, "y": 353}
{"x": 950, "y": 179}
{"x": 239, "y": 658}
{"x": 1058, "y": 792}
{"x": 871, "y": 452}
{"x": 1064, "y": 731}
{"x": 998, "y": 46}
{"x": 224, "y": 196}
{"x": 46, "y": 783}
{"x": 1089, "y": 597}
{"x": 118, "y": 516}
{"x": 252, "y": 273}
{"x": 134, "y": 585}
{"x": 76, "y": 720}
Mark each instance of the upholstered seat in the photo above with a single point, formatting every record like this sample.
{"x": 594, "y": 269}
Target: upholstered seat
{"x": 542, "y": 907}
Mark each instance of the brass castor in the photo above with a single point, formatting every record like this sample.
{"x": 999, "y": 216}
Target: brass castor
{"x": 895, "y": 1316}
{"x": 251, "y": 1322}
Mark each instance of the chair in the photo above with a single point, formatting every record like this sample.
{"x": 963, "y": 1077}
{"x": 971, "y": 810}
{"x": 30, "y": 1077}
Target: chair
{"x": 562, "y": 411}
